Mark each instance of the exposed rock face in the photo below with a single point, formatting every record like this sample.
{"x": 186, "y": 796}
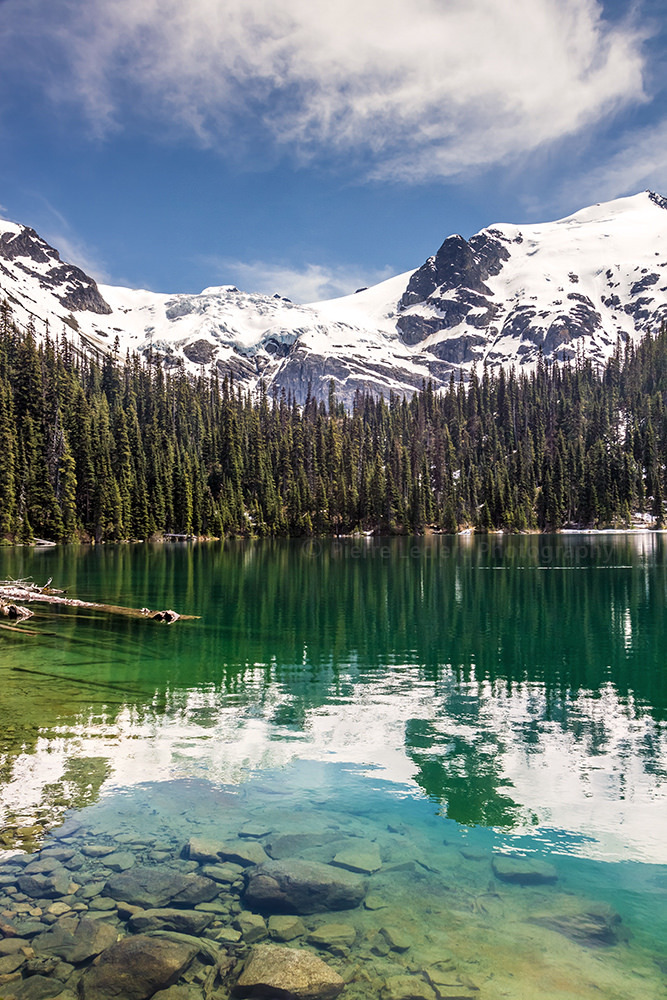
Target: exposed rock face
{"x": 273, "y": 971}
{"x": 294, "y": 886}
{"x": 458, "y": 264}
{"x": 506, "y": 296}
{"x": 136, "y": 968}
{"x": 73, "y": 288}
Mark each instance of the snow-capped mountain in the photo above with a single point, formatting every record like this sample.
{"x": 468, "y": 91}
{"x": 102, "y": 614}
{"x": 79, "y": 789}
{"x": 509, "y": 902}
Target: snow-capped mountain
{"x": 510, "y": 292}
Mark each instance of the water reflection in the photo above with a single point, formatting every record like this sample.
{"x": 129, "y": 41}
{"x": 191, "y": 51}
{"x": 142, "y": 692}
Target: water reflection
{"x": 516, "y": 681}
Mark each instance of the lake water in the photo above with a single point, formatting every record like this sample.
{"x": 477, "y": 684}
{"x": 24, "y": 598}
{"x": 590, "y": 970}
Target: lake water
{"x": 444, "y": 703}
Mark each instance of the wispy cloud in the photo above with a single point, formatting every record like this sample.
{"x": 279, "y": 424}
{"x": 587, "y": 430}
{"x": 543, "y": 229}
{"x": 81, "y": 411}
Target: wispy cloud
{"x": 640, "y": 161}
{"x": 311, "y": 283}
{"x": 56, "y": 229}
{"x": 416, "y": 89}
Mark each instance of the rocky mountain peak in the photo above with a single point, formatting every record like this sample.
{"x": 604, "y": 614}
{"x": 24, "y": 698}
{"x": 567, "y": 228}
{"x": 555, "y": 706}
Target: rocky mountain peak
{"x": 506, "y": 296}
{"x": 72, "y": 287}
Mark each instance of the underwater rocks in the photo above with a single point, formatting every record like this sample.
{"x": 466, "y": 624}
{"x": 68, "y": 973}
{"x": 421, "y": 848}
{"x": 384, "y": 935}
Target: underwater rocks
{"x": 42, "y": 886}
{"x": 182, "y": 921}
{"x": 364, "y": 859}
{"x": 205, "y": 922}
{"x": 336, "y": 938}
{"x": 285, "y": 927}
{"x": 153, "y": 888}
{"x": 592, "y": 928}
{"x": 273, "y": 971}
{"x": 136, "y": 968}
{"x": 242, "y": 852}
{"x": 74, "y": 940}
{"x": 296, "y": 886}
{"x": 523, "y": 871}
{"x": 404, "y": 987}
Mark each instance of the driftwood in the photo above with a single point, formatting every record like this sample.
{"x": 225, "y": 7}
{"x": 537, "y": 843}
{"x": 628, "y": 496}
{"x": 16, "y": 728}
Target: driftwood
{"x": 24, "y": 591}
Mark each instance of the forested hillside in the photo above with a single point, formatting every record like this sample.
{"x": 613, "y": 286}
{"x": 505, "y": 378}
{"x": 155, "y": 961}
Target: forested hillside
{"x": 107, "y": 448}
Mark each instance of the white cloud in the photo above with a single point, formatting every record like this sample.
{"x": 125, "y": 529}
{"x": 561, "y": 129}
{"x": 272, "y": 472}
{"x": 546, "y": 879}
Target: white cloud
{"x": 415, "y": 88}
{"x": 311, "y": 283}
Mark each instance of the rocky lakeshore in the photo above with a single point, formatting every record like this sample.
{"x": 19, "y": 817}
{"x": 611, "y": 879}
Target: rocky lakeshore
{"x": 330, "y": 906}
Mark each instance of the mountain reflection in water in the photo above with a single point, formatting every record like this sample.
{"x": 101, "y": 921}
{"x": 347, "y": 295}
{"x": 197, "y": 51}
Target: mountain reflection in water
{"x": 518, "y": 682}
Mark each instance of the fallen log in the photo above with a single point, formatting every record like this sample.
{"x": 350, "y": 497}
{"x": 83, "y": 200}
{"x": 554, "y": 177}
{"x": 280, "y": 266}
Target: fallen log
{"x": 14, "y": 612}
{"x": 14, "y": 591}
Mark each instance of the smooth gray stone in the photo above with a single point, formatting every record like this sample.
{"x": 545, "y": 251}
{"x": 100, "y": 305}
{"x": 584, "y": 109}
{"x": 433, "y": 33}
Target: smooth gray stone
{"x": 10, "y": 963}
{"x": 295, "y": 886}
{"x": 45, "y": 886}
{"x": 34, "y": 988}
{"x": 154, "y": 888}
{"x": 28, "y": 928}
{"x": 120, "y": 861}
{"x": 78, "y": 943}
{"x": 183, "y": 921}
{"x": 91, "y": 890}
{"x": 523, "y": 871}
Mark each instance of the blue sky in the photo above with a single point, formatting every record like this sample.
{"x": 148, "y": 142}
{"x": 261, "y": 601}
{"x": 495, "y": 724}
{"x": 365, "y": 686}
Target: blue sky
{"x": 308, "y": 149}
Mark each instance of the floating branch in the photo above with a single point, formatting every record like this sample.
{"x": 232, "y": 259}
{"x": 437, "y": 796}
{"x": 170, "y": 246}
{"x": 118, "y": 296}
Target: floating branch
{"x": 15, "y": 594}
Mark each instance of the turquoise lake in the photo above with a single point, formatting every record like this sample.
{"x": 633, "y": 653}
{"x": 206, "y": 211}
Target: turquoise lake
{"x": 446, "y": 702}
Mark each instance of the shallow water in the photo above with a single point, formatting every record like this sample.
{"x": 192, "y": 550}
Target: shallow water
{"x": 447, "y": 700}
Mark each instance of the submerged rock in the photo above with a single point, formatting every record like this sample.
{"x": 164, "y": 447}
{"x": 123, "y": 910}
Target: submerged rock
{"x": 136, "y": 968}
{"x": 154, "y": 888}
{"x": 444, "y": 980}
{"x": 179, "y": 993}
{"x": 273, "y": 971}
{"x": 252, "y": 926}
{"x": 77, "y": 940}
{"x": 591, "y": 928}
{"x": 170, "y": 919}
{"x": 290, "y": 845}
{"x": 35, "y": 988}
{"x": 523, "y": 871}
{"x": 201, "y": 849}
{"x": 336, "y": 938}
{"x": 364, "y": 859}
{"x": 296, "y": 886}
{"x": 285, "y": 927}
{"x": 396, "y": 938}
{"x": 10, "y": 963}
{"x": 244, "y": 852}
{"x": 226, "y": 874}
{"x": 407, "y": 988}
{"x": 45, "y": 886}
{"x": 120, "y": 861}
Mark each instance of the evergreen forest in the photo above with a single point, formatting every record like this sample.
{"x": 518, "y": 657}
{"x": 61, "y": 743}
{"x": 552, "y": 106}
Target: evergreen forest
{"x": 100, "y": 448}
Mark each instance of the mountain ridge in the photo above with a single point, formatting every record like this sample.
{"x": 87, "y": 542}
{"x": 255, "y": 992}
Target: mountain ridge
{"x": 506, "y": 296}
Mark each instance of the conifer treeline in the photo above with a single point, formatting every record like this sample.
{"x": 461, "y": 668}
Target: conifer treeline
{"x": 108, "y": 450}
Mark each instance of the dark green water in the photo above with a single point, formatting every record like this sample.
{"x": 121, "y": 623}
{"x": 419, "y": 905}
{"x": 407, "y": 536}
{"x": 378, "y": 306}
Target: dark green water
{"x": 501, "y": 694}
